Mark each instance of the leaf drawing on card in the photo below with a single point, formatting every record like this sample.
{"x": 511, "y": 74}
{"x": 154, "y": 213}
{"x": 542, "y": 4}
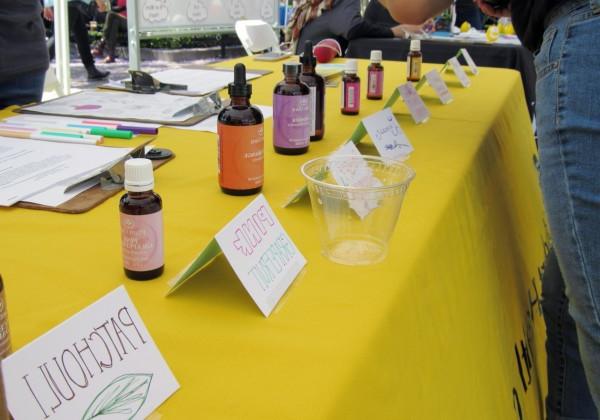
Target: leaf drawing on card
{"x": 121, "y": 399}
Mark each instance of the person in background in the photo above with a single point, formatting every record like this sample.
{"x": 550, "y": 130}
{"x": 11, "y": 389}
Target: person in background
{"x": 23, "y": 52}
{"x": 116, "y": 21}
{"x": 77, "y": 26}
{"x": 564, "y": 35}
{"x": 316, "y": 20}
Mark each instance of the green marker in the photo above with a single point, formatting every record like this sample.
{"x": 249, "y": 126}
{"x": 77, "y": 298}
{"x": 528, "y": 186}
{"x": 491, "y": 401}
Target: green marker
{"x": 108, "y": 132}
{"x": 61, "y": 134}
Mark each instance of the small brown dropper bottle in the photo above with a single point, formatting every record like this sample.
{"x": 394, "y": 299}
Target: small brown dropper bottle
{"x": 316, "y": 84}
{"x": 414, "y": 61}
{"x": 141, "y": 223}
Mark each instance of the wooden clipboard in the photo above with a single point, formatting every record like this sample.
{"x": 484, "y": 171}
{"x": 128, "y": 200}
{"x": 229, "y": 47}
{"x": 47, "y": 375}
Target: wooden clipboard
{"x": 89, "y": 198}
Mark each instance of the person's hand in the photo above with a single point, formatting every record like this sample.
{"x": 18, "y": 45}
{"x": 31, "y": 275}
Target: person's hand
{"x": 398, "y": 31}
{"x": 404, "y": 31}
{"x": 490, "y": 11}
{"x": 48, "y": 13}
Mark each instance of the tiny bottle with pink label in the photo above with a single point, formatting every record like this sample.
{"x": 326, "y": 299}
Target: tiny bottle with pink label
{"x": 141, "y": 223}
{"x": 375, "y": 76}
{"x": 350, "y": 101}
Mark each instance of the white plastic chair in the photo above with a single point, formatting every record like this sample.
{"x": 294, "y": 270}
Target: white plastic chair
{"x": 257, "y": 36}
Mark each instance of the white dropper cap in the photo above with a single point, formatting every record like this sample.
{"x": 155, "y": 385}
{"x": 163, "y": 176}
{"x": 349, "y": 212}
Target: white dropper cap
{"x": 351, "y": 67}
{"x": 376, "y": 56}
{"x": 415, "y": 45}
{"x": 138, "y": 175}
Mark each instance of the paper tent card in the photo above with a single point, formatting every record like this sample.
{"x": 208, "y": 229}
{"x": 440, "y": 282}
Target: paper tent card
{"x": 260, "y": 252}
{"x": 459, "y": 72}
{"x": 470, "y": 61}
{"x": 99, "y": 364}
{"x": 387, "y": 135}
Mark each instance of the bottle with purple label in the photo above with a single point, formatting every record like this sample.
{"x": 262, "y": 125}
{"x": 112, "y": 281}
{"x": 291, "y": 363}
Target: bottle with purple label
{"x": 141, "y": 223}
{"x": 350, "y": 89}
{"x": 291, "y": 113}
{"x": 375, "y": 76}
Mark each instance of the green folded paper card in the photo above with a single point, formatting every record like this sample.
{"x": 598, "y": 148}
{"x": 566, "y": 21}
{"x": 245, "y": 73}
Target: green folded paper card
{"x": 204, "y": 258}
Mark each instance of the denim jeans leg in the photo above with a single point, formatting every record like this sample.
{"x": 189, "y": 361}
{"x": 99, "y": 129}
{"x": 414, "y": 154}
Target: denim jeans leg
{"x": 568, "y": 116}
{"x": 568, "y": 392}
{"x": 22, "y": 89}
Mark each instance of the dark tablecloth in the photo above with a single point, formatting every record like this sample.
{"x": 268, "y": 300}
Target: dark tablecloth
{"x": 486, "y": 55}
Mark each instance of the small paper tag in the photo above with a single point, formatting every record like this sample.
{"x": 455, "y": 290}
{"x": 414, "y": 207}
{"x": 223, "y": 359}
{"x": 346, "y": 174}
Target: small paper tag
{"x": 387, "y": 135}
{"x": 354, "y": 173}
{"x": 439, "y": 86}
{"x": 261, "y": 253}
{"x": 470, "y": 61}
{"x": 459, "y": 72}
{"x": 415, "y": 104}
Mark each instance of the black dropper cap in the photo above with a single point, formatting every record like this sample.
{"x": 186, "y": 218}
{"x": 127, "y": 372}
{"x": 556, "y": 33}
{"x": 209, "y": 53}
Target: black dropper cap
{"x": 239, "y": 87}
{"x": 308, "y": 58}
{"x": 292, "y": 69}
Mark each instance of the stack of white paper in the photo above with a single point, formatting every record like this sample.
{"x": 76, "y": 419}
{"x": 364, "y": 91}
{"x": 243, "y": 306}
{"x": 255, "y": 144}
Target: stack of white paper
{"x": 39, "y": 171}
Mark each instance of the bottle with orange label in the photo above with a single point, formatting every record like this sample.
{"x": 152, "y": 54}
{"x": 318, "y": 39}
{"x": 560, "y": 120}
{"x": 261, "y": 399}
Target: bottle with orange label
{"x": 241, "y": 140}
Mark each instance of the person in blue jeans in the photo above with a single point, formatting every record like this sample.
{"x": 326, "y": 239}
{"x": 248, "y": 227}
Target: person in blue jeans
{"x": 565, "y": 37}
{"x": 23, "y": 53}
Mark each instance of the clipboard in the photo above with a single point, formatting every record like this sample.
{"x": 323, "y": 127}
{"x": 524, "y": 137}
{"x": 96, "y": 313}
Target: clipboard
{"x": 120, "y": 86}
{"x": 91, "y": 197}
{"x": 195, "y": 118}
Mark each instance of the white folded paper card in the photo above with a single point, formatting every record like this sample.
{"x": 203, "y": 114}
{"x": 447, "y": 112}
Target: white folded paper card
{"x": 258, "y": 249}
{"x": 387, "y": 135}
{"x": 470, "y": 61}
{"x": 354, "y": 173}
{"x": 101, "y": 363}
{"x": 415, "y": 104}
{"x": 459, "y": 72}
{"x": 439, "y": 86}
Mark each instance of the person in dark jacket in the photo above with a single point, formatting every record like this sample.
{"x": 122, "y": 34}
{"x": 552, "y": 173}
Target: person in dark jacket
{"x": 565, "y": 36}
{"x": 23, "y": 52}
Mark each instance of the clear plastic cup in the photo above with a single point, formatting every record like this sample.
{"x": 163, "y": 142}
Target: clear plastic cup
{"x": 356, "y": 222}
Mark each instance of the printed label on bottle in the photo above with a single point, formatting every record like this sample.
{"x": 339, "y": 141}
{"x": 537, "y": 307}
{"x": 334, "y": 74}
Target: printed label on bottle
{"x": 313, "y": 110}
{"x": 241, "y": 156}
{"x": 291, "y": 121}
{"x": 351, "y": 96}
{"x": 413, "y": 70}
{"x": 375, "y": 83}
{"x": 142, "y": 241}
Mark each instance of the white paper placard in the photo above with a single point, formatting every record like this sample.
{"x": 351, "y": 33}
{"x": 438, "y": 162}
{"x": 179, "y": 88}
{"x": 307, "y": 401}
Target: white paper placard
{"x": 261, "y": 253}
{"x": 439, "y": 86}
{"x": 100, "y": 363}
{"x": 387, "y": 135}
{"x": 355, "y": 173}
{"x": 346, "y": 173}
{"x": 415, "y": 104}
{"x": 470, "y": 61}
{"x": 459, "y": 72}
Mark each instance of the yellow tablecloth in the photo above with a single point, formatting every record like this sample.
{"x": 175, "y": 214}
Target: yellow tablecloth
{"x": 444, "y": 328}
